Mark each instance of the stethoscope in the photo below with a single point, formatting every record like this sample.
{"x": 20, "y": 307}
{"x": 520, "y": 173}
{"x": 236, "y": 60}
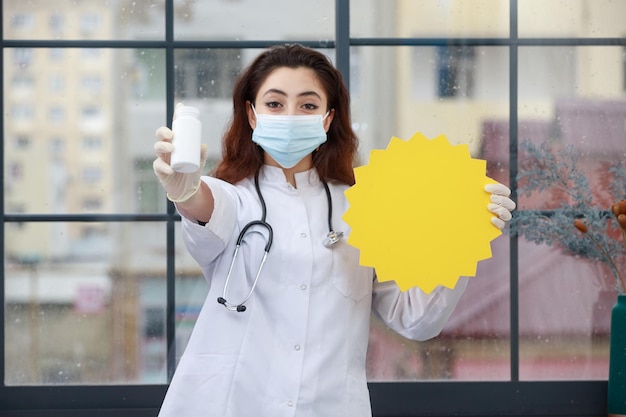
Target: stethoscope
{"x": 329, "y": 241}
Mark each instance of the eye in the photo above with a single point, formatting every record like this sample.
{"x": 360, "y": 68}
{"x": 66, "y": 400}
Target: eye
{"x": 310, "y": 106}
{"x": 273, "y": 104}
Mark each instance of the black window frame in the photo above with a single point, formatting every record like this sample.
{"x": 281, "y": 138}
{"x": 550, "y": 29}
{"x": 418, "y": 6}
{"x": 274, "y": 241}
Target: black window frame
{"x": 498, "y": 398}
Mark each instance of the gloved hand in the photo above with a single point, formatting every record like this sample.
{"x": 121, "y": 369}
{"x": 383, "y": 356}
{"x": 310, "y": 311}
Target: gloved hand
{"x": 178, "y": 186}
{"x": 501, "y": 205}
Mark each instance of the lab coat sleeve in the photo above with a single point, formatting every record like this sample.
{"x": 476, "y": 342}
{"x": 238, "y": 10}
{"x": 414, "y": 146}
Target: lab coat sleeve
{"x": 205, "y": 243}
{"x": 415, "y": 314}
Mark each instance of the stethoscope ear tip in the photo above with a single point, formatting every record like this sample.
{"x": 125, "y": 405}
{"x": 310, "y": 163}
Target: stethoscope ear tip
{"x": 332, "y": 237}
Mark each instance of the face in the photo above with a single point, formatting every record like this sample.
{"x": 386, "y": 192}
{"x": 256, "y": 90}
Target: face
{"x": 290, "y": 92}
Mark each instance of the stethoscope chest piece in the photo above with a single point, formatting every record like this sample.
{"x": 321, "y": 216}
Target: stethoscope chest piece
{"x": 331, "y": 238}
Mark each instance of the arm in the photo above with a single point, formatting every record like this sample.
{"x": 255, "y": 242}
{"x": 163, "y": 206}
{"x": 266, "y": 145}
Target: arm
{"x": 415, "y": 314}
{"x": 207, "y": 205}
{"x": 206, "y": 241}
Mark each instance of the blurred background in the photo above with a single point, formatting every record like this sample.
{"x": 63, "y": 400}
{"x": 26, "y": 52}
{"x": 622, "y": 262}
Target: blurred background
{"x": 88, "y": 243}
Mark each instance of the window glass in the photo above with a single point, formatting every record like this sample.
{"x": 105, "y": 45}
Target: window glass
{"x": 119, "y": 98}
{"x": 89, "y": 19}
{"x": 236, "y": 20}
{"x": 572, "y": 109}
{"x": 191, "y": 290}
{"x": 571, "y": 18}
{"x": 429, "y": 18}
{"x": 206, "y": 73}
{"x": 84, "y": 303}
{"x": 415, "y": 97}
{"x": 418, "y": 96}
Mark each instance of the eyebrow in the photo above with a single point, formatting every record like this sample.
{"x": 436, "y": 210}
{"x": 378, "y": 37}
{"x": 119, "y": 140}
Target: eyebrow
{"x": 282, "y": 93}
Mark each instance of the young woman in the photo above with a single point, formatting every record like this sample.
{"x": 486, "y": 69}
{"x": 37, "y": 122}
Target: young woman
{"x": 284, "y": 328}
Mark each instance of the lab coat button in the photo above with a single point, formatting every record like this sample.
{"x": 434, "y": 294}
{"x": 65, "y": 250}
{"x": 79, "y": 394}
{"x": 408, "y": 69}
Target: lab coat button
{"x": 303, "y": 287}
{"x": 302, "y": 234}
{"x": 290, "y": 403}
{"x": 297, "y": 347}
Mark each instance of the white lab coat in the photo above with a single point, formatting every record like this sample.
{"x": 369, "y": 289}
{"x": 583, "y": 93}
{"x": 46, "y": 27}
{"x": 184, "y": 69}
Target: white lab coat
{"x": 299, "y": 348}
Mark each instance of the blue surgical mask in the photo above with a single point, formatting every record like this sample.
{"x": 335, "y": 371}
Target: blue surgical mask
{"x": 288, "y": 139}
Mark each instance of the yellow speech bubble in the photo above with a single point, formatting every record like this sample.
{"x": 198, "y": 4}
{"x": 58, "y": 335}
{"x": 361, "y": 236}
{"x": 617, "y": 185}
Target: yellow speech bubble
{"x": 418, "y": 213}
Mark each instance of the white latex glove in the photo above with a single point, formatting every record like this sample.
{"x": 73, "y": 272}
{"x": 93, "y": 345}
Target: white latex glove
{"x": 501, "y": 205}
{"x": 178, "y": 186}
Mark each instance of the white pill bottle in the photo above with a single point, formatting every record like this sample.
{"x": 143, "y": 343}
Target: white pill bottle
{"x": 187, "y": 140}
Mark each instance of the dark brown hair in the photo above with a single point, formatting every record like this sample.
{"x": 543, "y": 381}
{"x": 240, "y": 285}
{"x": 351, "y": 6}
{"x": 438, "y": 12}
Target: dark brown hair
{"x": 242, "y": 158}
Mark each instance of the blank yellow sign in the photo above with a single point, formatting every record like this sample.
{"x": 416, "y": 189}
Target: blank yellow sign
{"x": 418, "y": 213}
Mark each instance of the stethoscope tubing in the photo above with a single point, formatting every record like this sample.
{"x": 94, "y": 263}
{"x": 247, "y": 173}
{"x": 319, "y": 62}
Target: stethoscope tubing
{"x": 332, "y": 238}
{"x": 240, "y": 307}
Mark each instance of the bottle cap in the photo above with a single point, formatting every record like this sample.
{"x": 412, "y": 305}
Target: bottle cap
{"x": 187, "y": 111}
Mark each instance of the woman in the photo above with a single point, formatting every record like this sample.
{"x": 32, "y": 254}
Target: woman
{"x": 284, "y": 328}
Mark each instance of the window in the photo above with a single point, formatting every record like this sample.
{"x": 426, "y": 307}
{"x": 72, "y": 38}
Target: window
{"x": 57, "y": 146}
{"x": 92, "y": 204}
{"x": 56, "y": 114}
{"x": 92, "y": 175}
{"x": 22, "y": 142}
{"x": 90, "y": 53}
{"x": 100, "y": 295}
{"x": 455, "y": 71}
{"x": 22, "y": 21}
{"x": 56, "y": 83}
{"x": 92, "y": 83}
{"x": 92, "y": 143}
{"x": 206, "y": 73}
{"x": 148, "y": 194}
{"x": 89, "y": 23}
{"x": 56, "y": 22}
{"x": 56, "y": 54}
{"x": 22, "y": 57}
{"x": 23, "y": 82}
{"x": 23, "y": 112}
{"x": 154, "y": 326}
{"x": 91, "y": 112}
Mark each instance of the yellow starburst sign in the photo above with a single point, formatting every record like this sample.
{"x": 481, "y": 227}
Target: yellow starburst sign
{"x": 418, "y": 213}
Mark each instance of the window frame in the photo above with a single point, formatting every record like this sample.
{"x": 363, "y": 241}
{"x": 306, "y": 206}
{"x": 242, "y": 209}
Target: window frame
{"x": 501, "y": 398}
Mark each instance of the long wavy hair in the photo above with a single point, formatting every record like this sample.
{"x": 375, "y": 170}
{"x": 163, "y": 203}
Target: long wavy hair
{"x": 334, "y": 160}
